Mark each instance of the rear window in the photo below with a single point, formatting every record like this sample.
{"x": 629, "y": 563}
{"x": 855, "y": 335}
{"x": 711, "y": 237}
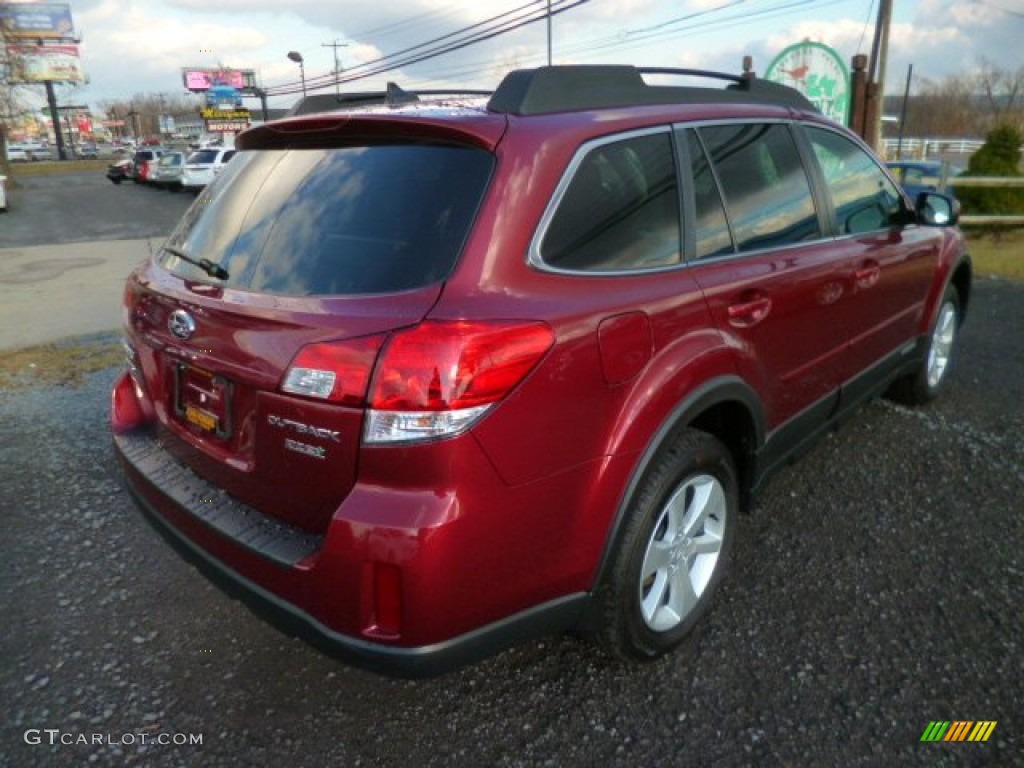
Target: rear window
{"x": 203, "y": 157}
{"x": 343, "y": 221}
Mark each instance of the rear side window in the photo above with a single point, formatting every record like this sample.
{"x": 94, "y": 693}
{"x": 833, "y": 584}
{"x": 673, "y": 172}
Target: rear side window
{"x": 767, "y": 192}
{"x": 620, "y": 210}
{"x": 862, "y": 195}
{"x": 343, "y": 221}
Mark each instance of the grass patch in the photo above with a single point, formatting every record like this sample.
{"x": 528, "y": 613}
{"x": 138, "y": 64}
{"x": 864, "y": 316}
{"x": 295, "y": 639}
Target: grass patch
{"x": 997, "y": 253}
{"x": 53, "y": 167}
{"x": 61, "y": 363}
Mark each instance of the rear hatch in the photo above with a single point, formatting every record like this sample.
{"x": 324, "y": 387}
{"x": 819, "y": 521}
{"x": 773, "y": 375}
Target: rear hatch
{"x": 319, "y": 253}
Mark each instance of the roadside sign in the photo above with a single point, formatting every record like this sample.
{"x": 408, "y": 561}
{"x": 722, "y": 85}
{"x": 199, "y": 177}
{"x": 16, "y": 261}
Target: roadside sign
{"x": 818, "y": 73}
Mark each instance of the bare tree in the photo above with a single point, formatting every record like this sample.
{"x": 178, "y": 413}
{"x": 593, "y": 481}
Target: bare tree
{"x": 10, "y": 104}
{"x": 942, "y": 108}
{"x": 141, "y": 113}
{"x": 966, "y": 106}
{"x": 1002, "y": 93}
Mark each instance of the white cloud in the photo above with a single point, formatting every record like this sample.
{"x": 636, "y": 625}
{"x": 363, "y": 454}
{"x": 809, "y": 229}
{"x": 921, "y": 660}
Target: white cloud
{"x": 141, "y": 45}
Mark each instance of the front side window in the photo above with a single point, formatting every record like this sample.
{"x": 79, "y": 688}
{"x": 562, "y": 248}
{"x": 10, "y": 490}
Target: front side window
{"x": 862, "y": 195}
{"x": 620, "y": 211}
{"x": 767, "y": 192}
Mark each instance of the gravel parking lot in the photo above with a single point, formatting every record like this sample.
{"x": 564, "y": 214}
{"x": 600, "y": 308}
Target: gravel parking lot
{"x": 876, "y": 587}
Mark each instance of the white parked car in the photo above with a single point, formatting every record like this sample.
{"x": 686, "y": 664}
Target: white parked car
{"x": 17, "y": 154}
{"x": 168, "y": 171}
{"x": 203, "y": 166}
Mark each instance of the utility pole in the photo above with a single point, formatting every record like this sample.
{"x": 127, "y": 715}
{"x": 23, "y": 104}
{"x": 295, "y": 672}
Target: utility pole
{"x": 337, "y": 70}
{"x": 262, "y": 94}
{"x": 549, "y": 33}
{"x": 51, "y": 101}
{"x": 876, "y": 75}
{"x": 903, "y": 112}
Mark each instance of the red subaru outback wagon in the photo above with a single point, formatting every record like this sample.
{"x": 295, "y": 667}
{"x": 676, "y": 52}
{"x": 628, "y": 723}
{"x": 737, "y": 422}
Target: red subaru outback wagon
{"x": 426, "y": 379}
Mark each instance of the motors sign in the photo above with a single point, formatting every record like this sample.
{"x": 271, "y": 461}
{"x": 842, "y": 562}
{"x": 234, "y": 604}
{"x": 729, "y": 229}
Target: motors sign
{"x": 226, "y": 126}
{"x": 818, "y": 73}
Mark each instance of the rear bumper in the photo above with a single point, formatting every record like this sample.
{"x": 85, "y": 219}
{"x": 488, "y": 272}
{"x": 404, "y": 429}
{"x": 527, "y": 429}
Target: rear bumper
{"x": 196, "y": 179}
{"x": 287, "y": 571}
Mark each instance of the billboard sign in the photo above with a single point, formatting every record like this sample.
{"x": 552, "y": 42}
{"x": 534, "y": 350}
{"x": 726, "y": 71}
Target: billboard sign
{"x": 39, "y": 63}
{"x": 32, "y": 21}
{"x": 198, "y": 79}
{"x": 818, "y": 73}
{"x": 212, "y": 113}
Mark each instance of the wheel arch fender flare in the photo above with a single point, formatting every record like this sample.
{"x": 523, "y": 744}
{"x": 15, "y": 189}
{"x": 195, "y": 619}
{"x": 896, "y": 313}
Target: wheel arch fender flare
{"x": 956, "y": 270}
{"x": 718, "y": 391}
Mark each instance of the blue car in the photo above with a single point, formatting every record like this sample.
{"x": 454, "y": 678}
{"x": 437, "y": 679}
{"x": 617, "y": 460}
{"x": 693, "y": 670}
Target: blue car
{"x": 917, "y": 176}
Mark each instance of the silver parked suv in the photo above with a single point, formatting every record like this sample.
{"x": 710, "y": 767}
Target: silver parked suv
{"x": 203, "y": 166}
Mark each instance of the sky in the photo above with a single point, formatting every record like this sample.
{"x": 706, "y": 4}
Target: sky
{"x": 140, "y": 46}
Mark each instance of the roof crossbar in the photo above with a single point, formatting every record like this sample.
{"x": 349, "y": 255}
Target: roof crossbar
{"x": 580, "y": 87}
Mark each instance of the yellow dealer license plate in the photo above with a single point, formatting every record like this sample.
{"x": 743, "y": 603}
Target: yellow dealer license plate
{"x": 202, "y": 419}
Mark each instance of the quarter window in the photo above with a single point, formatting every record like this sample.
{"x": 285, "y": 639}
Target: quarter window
{"x": 767, "y": 193}
{"x": 620, "y": 211}
{"x": 862, "y": 195}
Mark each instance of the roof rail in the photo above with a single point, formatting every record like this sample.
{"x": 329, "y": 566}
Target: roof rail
{"x": 579, "y": 87}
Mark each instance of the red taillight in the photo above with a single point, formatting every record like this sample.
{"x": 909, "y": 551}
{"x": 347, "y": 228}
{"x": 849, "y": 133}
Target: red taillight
{"x": 433, "y": 380}
{"x": 449, "y": 366}
{"x": 335, "y": 371}
{"x": 127, "y": 405}
{"x": 131, "y": 298}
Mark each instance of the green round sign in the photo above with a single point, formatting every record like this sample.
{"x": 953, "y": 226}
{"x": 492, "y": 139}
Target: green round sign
{"x": 818, "y": 73}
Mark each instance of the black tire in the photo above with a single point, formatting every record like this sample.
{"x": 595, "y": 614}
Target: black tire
{"x": 929, "y": 380}
{"x": 115, "y": 181}
{"x": 646, "y": 615}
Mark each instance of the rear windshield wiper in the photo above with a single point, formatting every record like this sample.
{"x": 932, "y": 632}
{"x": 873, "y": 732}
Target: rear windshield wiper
{"x": 212, "y": 268}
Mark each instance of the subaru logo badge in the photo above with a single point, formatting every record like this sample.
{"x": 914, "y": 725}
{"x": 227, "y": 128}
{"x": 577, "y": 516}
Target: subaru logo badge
{"x": 181, "y": 324}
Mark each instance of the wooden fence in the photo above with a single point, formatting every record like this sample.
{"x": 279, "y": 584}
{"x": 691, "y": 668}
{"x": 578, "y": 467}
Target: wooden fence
{"x": 986, "y": 181}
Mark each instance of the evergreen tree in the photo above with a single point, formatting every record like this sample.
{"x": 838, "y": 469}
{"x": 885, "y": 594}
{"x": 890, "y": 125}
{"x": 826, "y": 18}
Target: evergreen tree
{"x": 999, "y": 156}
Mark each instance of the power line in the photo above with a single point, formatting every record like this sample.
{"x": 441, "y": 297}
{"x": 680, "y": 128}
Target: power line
{"x": 529, "y": 13}
{"x": 387, "y": 30}
{"x": 475, "y": 33}
{"x": 639, "y": 37}
{"x": 1007, "y": 11}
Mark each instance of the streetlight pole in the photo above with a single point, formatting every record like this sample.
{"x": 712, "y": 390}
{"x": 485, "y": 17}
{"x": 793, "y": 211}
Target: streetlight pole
{"x": 297, "y": 58}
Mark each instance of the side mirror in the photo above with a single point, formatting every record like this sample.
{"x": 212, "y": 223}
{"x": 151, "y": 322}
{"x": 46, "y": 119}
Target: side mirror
{"x": 937, "y": 210}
